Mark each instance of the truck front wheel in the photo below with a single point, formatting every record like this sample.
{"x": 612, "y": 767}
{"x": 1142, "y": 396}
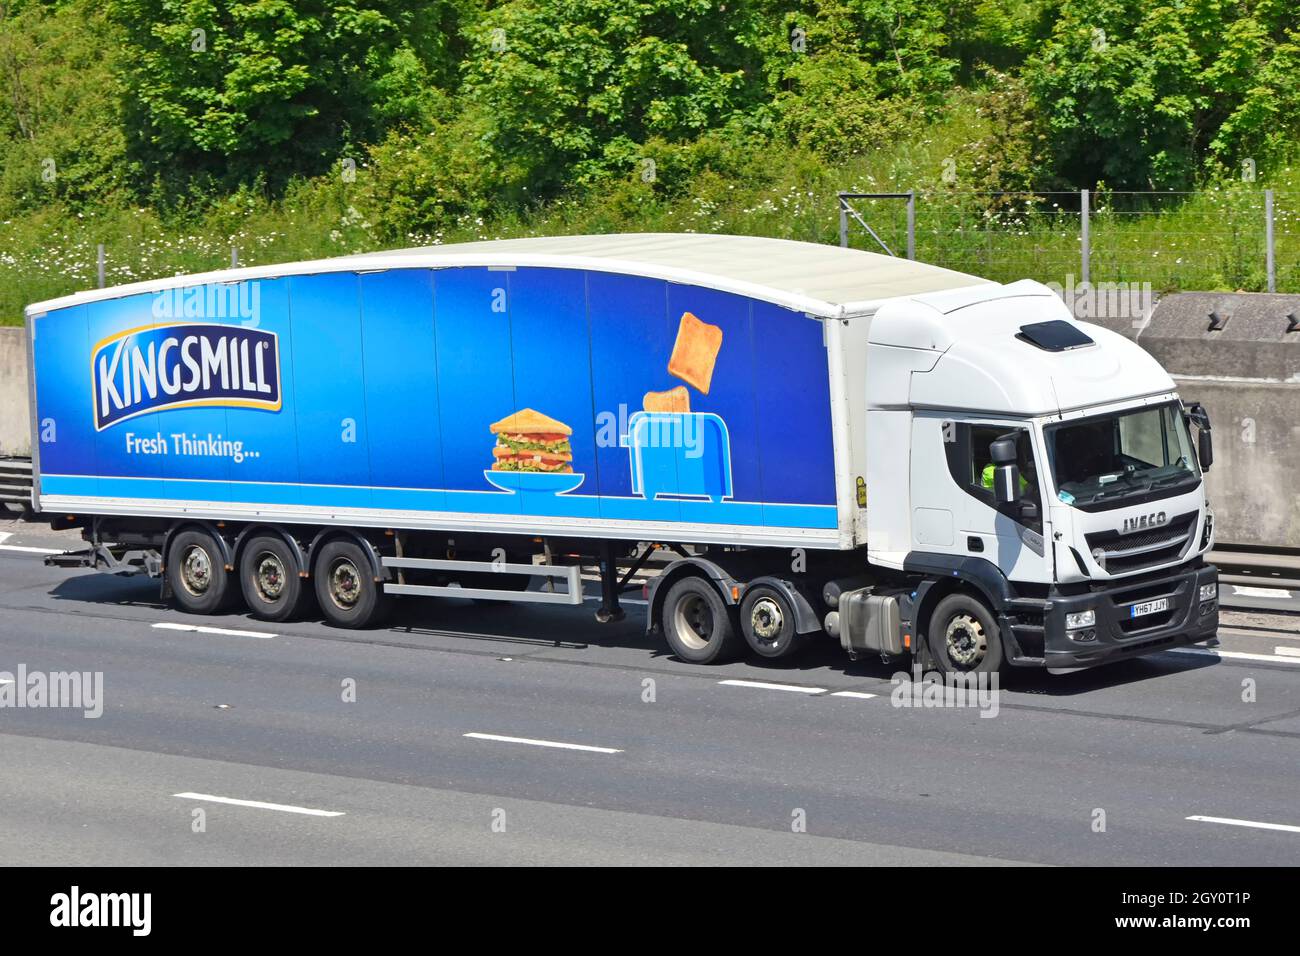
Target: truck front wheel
{"x": 697, "y": 623}
{"x": 963, "y": 636}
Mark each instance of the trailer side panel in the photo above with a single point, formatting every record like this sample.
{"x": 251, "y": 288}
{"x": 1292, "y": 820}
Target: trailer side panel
{"x": 367, "y": 399}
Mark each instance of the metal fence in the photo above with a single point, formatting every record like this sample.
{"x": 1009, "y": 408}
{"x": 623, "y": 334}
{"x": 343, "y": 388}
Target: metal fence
{"x": 1237, "y": 238}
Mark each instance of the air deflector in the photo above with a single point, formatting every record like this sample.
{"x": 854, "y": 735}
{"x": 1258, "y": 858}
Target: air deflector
{"x": 1054, "y": 336}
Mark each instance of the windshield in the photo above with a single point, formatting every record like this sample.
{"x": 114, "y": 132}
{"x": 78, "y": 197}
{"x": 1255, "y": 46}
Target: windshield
{"x": 1117, "y": 456}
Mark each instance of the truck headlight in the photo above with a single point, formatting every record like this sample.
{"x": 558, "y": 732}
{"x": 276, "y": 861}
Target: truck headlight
{"x": 1080, "y": 619}
{"x": 1209, "y": 592}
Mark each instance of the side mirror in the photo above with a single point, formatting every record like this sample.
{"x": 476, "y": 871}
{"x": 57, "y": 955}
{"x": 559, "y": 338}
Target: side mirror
{"x": 1003, "y": 450}
{"x": 1006, "y": 483}
{"x": 1199, "y": 417}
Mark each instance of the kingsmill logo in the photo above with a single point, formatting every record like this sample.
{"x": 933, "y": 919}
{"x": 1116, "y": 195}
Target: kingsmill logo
{"x": 184, "y": 365}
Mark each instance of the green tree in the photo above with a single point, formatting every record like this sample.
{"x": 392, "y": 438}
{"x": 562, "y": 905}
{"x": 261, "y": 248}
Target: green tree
{"x": 268, "y": 88}
{"x": 1141, "y": 96}
{"x": 60, "y": 122}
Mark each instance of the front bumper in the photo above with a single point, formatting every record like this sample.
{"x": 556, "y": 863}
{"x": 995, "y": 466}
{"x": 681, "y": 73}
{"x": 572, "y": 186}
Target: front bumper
{"x": 1117, "y": 634}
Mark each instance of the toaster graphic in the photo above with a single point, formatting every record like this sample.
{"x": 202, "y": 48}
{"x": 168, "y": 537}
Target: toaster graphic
{"x": 679, "y": 454}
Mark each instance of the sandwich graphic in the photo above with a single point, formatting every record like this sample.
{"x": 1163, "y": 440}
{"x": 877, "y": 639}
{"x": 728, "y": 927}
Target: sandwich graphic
{"x": 527, "y": 440}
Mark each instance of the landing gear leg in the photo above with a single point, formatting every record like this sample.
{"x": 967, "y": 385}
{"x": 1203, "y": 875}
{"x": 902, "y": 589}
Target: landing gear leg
{"x": 609, "y": 586}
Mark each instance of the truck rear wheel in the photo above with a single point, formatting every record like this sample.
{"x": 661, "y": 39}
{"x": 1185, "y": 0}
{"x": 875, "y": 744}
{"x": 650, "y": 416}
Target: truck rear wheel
{"x": 767, "y": 621}
{"x": 964, "y": 637}
{"x": 346, "y": 588}
{"x": 268, "y": 576}
{"x": 697, "y": 623}
{"x": 196, "y": 574}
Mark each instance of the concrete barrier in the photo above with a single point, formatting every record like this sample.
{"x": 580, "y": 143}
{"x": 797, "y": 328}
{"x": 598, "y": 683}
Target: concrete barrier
{"x": 1238, "y": 354}
{"x": 15, "y": 417}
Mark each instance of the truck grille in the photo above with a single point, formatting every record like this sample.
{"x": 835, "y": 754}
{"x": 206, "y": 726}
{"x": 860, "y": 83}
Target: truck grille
{"x": 1120, "y": 553}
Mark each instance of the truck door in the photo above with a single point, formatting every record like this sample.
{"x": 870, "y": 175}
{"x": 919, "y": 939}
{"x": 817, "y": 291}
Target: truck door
{"x": 959, "y": 464}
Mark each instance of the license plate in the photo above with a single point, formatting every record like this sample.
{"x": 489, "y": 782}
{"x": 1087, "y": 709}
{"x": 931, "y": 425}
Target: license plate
{"x": 1149, "y": 607}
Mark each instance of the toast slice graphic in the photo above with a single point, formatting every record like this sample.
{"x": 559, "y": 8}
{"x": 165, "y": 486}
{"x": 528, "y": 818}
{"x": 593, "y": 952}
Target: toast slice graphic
{"x": 674, "y": 400}
{"x": 695, "y": 352}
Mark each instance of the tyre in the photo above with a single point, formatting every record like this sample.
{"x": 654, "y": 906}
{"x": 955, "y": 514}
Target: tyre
{"x": 268, "y": 578}
{"x": 196, "y": 574}
{"x": 697, "y": 623}
{"x": 963, "y": 636}
{"x": 346, "y": 589}
{"x": 768, "y": 623}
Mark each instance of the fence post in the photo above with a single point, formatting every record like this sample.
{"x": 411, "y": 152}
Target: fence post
{"x": 99, "y": 262}
{"x": 911, "y": 224}
{"x": 1085, "y": 237}
{"x": 1270, "y": 264}
{"x": 844, "y": 221}
{"x": 234, "y": 257}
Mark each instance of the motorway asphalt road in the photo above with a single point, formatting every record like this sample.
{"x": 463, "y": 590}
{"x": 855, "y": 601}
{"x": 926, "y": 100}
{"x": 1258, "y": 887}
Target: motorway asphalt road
{"x": 684, "y": 767}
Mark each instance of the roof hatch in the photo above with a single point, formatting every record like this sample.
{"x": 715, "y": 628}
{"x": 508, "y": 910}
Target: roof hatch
{"x": 1054, "y": 336}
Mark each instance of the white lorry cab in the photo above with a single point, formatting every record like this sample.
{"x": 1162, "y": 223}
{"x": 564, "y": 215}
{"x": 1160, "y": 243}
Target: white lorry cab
{"x": 1053, "y": 495}
{"x": 828, "y": 442}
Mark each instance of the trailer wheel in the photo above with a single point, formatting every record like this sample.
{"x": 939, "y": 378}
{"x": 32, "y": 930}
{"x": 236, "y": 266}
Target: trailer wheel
{"x": 269, "y": 578}
{"x": 697, "y": 623}
{"x": 196, "y": 574}
{"x": 964, "y": 637}
{"x": 768, "y": 623}
{"x": 348, "y": 594}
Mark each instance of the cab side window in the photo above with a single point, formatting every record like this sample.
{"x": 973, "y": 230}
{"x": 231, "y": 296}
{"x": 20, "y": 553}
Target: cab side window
{"x": 966, "y": 447}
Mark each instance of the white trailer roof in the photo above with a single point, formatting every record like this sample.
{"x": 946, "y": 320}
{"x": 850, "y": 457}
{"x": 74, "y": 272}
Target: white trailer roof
{"x": 807, "y": 277}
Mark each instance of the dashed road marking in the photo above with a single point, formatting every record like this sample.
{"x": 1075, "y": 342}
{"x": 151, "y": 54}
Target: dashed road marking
{"x": 6, "y": 535}
{"x": 197, "y": 629}
{"x": 763, "y": 685}
{"x": 1228, "y": 821}
{"x": 259, "y": 804}
{"x": 1234, "y": 655}
{"x": 560, "y": 745}
{"x": 1246, "y": 590}
{"x": 25, "y": 550}
{"x": 856, "y": 694}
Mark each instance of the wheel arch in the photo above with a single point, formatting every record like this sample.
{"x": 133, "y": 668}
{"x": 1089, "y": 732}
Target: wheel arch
{"x": 303, "y": 568}
{"x": 946, "y": 574}
{"x": 208, "y": 528}
{"x": 694, "y": 566}
{"x": 326, "y": 535}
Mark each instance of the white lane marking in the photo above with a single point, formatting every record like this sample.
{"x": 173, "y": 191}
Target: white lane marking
{"x": 1287, "y": 651}
{"x": 1285, "y": 827}
{"x": 259, "y": 805}
{"x": 169, "y": 626}
{"x": 6, "y": 535}
{"x": 6, "y": 681}
{"x": 763, "y": 685}
{"x": 544, "y": 743}
{"x": 1248, "y": 591}
{"x": 856, "y": 694}
{"x": 1234, "y": 655}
